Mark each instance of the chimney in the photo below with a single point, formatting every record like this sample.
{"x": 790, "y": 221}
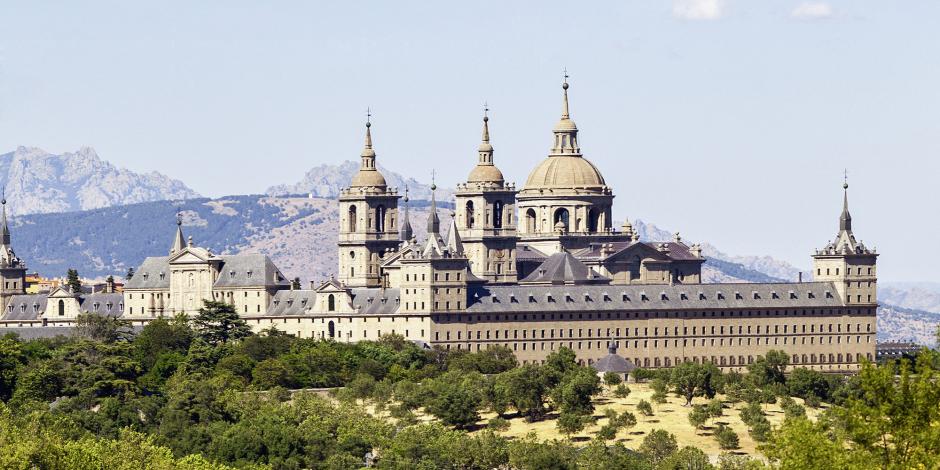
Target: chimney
{"x": 800, "y": 279}
{"x": 109, "y": 285}
{"x": 312, "y": 286}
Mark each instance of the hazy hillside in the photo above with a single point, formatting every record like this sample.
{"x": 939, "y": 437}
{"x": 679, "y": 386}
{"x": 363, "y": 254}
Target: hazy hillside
{"x": 37, "y": 181}
{"x": 326, "y": 181}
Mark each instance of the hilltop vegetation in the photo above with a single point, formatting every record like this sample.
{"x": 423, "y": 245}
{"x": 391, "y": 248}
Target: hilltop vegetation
{"x": 210, "y": 394}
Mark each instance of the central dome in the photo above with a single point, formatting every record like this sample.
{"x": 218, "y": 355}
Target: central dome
{"x": 565, "y": 172}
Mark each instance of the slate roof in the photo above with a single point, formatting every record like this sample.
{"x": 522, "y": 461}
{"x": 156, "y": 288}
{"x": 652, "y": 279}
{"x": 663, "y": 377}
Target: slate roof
{"x": 249, "y": 270}
{"x": 366, "y": 300}
{"x": 677, "y": 251}
{"x": 542, "y": 298}
{"x": 613, "y": 363}
{"x": 526, "y": 252}
{"x": 25, "y": 307}
{"x": 111, "y": 305}
{"x": 147, "y": 276}
{"x": 233, "y": 273}
{"x": 563, "y": 268}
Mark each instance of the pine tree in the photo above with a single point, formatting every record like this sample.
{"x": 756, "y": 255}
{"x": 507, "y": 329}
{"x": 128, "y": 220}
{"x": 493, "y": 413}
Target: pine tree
{"x": 219, "y": 323}
{"x": 73, "y": 281}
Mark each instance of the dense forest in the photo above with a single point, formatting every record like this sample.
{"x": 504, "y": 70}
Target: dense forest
{"x": 207, "y": 393}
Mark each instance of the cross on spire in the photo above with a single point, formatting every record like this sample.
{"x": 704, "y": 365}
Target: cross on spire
{"x": 845, "y": 178}
{"x": 368, "y": 116}
{"x": 566, "y": 75}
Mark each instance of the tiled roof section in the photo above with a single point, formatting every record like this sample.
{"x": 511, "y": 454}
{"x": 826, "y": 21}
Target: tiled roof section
{"x": 249, "y": 270}
{"x": 148, "y": 275}
{"x": 25, "y": 307}
{"x": 526, "y": 252}
{"x": 374, "y": 301}
{"x": 292, "y": 302}
{"x": 111, "y": 305}
{"x": 613, "y": 363}
{"x": 522, "y": 298}
{"x": 563, "y": 268}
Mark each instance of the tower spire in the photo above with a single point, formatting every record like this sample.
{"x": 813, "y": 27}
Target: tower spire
{"x": 486, "y": 149}
{"x": 368, "y": 154}
{"x": 564, "y": 106}
{"x": 178, "y": 240}
{"x": 406, "y": 232}
{"x": 845, "y": 220}
{"x": 6, "y": 228}
{"x": 434, "y": 223}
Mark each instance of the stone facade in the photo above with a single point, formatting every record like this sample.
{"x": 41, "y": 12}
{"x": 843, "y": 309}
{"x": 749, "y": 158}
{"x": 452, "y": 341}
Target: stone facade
{"x": 533, "y": 270}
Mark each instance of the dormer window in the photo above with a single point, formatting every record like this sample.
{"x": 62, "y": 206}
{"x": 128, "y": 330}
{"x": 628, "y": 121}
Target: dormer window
{"x": 773, "y": 295}
{"x": 303, "y": 302}
{"x": 95, "y": 306}
{"x": 792, "y": 294}
{"x": 701, "y": 296}
{"x": 146, "y": 275}
{"x": 828, "y": 294}
{"x": 248, "y": 274}
{"x": 549, "y": 298}
{"x": 512, "y": 299}
{"x": 23, "y": 308}
{"x": 605, "y": 297}
{"x": 643, "y": 297}
{"x": 231, "y": 274}
{"x": 663, "y": 296}
{"x": 531, "y": 299}
{"x": 626, "y": 298}
{"x": 162, "y": 276}
{"x": 109, "y": 305}
{"x": 738, "y": 296}
{"x": 720, "y": 296}
{"x": 587, "y": 297}
{"x": 810, "y": 295}
{"x": 682, "y": 296}
{"x": 756, "y": 295}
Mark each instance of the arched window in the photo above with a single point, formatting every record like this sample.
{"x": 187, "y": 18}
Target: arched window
{"x": 380, "y": 219}
{"x": 332, "y": 329}
{"x": 469, "y": 214}
{"x": 498, "y": 214}
{"x": 61, "y": 307}
{"x": 331, "y": 303}
{"x": 594, "y": 216}
{"x": 352, "y": 218}
{"x": 561, "y": 215}
{"x": 530, "y": 221}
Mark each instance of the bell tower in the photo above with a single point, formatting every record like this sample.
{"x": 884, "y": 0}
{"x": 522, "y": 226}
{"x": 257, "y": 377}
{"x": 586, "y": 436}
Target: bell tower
{"x": 12, "y": 269}
{"x": 484, "y": 215}
{"x": 848, "y": 263}
{"x": 368, "y": 218}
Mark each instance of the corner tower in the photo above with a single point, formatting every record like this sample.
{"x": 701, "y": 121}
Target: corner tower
{"x": 565, "y": 203}
{"x": 484, "y": 213}
{"x": 848, "y": 263}
{"x": 368, "y": 218}
{"x": 12, "y": 269}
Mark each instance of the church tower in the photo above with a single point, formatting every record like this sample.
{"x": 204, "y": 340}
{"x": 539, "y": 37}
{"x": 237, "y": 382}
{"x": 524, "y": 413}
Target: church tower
{"x": 12, "y": 270}
{"x": 848, "y": 263}
{"x": 484, "y": 213}
{"x": 368, "y": 217}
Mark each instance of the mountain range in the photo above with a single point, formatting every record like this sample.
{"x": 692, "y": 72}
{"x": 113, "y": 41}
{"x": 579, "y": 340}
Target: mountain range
{"x": 76, "y": 210}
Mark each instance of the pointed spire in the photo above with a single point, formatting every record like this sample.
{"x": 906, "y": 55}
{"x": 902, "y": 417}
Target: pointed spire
{"x": 564, "y": 106}
{"x": 368, "y": 175}
{"x": 368, "y": 154}
{"x": 486, "y": 127}
{"x": 178, "y": 240}
{"x": 454, "y": 244}
{"x": 5, "y": 241}
{"x": 406, "y": 232}
{"x": 845, "y": 220}
{"x": 485, "y": 149}
{"x": 434, "y": 223}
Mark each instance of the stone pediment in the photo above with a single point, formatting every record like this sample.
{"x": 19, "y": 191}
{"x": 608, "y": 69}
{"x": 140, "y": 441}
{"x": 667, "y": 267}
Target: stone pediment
{"x": 332, "y": 286}
{"x": 190, "y": 256}
{"x": 642, "y": 250}
{"x": 61, "y": 292}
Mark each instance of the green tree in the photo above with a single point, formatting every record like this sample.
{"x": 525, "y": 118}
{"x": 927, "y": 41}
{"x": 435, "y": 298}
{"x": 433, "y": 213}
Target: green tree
{"x": 524, "y": 388}
{"x": 571, "y": 422}
{"x": 644, "y": 407}
{"x": 218, "y": 323}
{"x": 691, "y": 380}
{"x": 622, "y": 391}
{"x": 803, "y": 382}
{"x": 271, "y": 373}
{"x": 801, "y": 444}
{"x": 769, "y": 369}
{"x": 129, "y": 275}
{"x": 73, "y": 281}
{"x": 573, "y": 394}
{"x": 726, "y": 437}
{"x": 611, "y": 379}
{"x": 687, "y": 458}
{"x": 11, "y": 360}
{"x": 698, "y": 416}
{"x": 102, "y": 328}
{"x": 160, "y": 336}
{"x": 714, "y": 408}
{"x": 455, "y": 402}
{"x": 658, "y": 445}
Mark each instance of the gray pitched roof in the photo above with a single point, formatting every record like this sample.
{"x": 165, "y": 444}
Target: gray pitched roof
{"x": 111, "y": 305}
{"x": 25, "y": 307}
{"x": 563, "y": 268}
{"x": 249, "y": 270}
{"x": 147, "y": 276}
{"x": 291, "y": 302}
{"x": 374, "y": 300}
{"x": 613, "y": 363}
{"x": 544, "y": 298}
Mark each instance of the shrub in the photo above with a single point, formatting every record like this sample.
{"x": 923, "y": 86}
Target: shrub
{"x": 760, "y": 430}
{"x": 622, "y": 391}
{"x": 791, "y": 408}
{"x": 812, "y": 401}
{"x": 644, "y": 407}
{"x": 611, "y": 379}
{"x": 698, "y": 416}
{"x": 570, "y": 423}
{"x": 751, "y": 413}
{"x": 726, "y": 437}
{"x": 607, "y": 432}
{"x": 658, "y": 445}
{"x": 658, "y": 397}
{"x": 498, "y": 424}
{"x": 714, "y": 408}
{"x": 659, "y": 386}
{"x": 624, "y": 420}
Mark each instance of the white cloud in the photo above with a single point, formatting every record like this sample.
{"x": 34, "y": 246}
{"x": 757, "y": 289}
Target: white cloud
{"x": 698, "y": 9}
{"x": 812, "y": 11}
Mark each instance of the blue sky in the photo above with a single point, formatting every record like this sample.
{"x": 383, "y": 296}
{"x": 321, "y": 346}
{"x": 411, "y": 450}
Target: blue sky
{"x": 728, "y": 120}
